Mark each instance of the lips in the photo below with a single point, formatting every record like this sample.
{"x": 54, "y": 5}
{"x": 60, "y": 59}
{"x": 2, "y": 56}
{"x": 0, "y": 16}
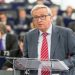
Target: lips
{"x": 40, "y": 24}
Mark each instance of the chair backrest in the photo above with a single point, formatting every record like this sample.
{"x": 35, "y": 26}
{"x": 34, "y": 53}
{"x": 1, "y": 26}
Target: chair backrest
{"x": 72, "y": 26}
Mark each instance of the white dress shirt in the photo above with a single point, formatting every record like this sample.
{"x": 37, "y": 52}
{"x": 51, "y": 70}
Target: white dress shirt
{"x": 4, "y": 41}
{"x": 49, "y": 31}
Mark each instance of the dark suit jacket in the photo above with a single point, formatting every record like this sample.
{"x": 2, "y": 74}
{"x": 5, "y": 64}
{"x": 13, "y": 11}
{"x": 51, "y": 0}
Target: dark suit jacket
{"x": 11, "y": 44}
{"x": 19, "y": 22}
{"x": 62, "y": 46}
{"x": 12, "y": 47}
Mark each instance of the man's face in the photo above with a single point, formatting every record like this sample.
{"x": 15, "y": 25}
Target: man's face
{"x": 41, "y": 18}
{"x": 3, "y": 17}
{"x": 22, "y": 14}
{"x": 54, "y": 11}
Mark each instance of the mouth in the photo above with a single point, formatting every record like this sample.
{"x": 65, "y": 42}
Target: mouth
{"x": 40, "y": 24}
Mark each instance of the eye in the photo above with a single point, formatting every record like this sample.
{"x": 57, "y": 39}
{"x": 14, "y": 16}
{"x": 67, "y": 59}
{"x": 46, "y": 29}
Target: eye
{"x": 42, "y": 17}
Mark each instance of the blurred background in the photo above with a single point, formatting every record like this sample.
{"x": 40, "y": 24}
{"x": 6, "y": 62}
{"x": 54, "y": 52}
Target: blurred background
{"x": 11, "y": 9}
{"x": 15, "y": 14}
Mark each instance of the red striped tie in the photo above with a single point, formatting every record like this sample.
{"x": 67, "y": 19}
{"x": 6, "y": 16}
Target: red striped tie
{"x": 44, "y": 55}
{"x": 44, "y": 48}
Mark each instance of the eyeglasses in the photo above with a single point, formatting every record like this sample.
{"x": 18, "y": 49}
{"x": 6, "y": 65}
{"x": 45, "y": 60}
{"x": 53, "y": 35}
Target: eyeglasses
{"x": 43, "y": 17}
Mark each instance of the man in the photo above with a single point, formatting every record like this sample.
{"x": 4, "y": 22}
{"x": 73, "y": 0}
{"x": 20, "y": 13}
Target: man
{"x": 61, "y": 40}
{"x": 4, "y": 20}
{"x": 57, "y": 19}
{"x": 22, "y": 22}
{"x": 9, "y": 42}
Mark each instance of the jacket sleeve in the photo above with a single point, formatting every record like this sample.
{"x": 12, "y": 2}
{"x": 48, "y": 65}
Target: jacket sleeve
{"x": 70, "y": 62}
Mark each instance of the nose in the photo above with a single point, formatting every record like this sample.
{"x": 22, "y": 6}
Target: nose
{"x": 39, "y": 20}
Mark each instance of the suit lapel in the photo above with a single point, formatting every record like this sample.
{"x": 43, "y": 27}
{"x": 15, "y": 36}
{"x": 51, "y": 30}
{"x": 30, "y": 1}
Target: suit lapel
{"x": 7, "y": 41}
{"x": 54, "y": 41}
{"x": 35, "y": 44}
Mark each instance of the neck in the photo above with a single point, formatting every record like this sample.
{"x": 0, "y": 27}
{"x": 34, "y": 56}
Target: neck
{"x": 1, "y": 34}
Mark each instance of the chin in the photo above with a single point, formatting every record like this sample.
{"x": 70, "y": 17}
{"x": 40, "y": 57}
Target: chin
{"x": 43, "y": 30}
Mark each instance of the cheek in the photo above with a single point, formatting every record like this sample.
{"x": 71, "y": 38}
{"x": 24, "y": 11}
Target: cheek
{"x": 34, "y": 23}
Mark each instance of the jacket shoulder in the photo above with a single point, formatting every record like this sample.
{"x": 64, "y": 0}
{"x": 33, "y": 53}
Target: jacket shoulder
{"x": 63, "y": 29}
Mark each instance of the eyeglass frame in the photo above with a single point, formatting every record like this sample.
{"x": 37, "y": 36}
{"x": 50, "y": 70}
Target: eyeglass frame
{"x": 42, "y": 17}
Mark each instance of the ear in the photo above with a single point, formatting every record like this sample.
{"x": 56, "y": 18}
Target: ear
{"x": 51, "y": 18}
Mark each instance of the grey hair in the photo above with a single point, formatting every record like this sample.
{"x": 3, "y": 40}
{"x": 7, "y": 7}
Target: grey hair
{"x": 41, "y": 6}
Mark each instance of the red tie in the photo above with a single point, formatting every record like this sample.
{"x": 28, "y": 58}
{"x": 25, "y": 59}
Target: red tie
{"x": 44, "y": 55}
{"x": 44, "y": 48}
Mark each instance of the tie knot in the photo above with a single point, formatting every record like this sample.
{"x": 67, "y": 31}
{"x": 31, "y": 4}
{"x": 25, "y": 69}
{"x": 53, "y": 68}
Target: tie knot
{"x": 44, "y": 34}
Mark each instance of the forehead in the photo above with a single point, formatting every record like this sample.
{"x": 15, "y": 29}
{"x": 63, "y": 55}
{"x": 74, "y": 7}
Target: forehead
{"x": 21, "y": 11}
{"x": 3, "y": 15}
{"x": 40, "y": 11}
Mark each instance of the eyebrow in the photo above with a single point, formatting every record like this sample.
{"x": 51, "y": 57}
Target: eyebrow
{"x": 42, "y": 15}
